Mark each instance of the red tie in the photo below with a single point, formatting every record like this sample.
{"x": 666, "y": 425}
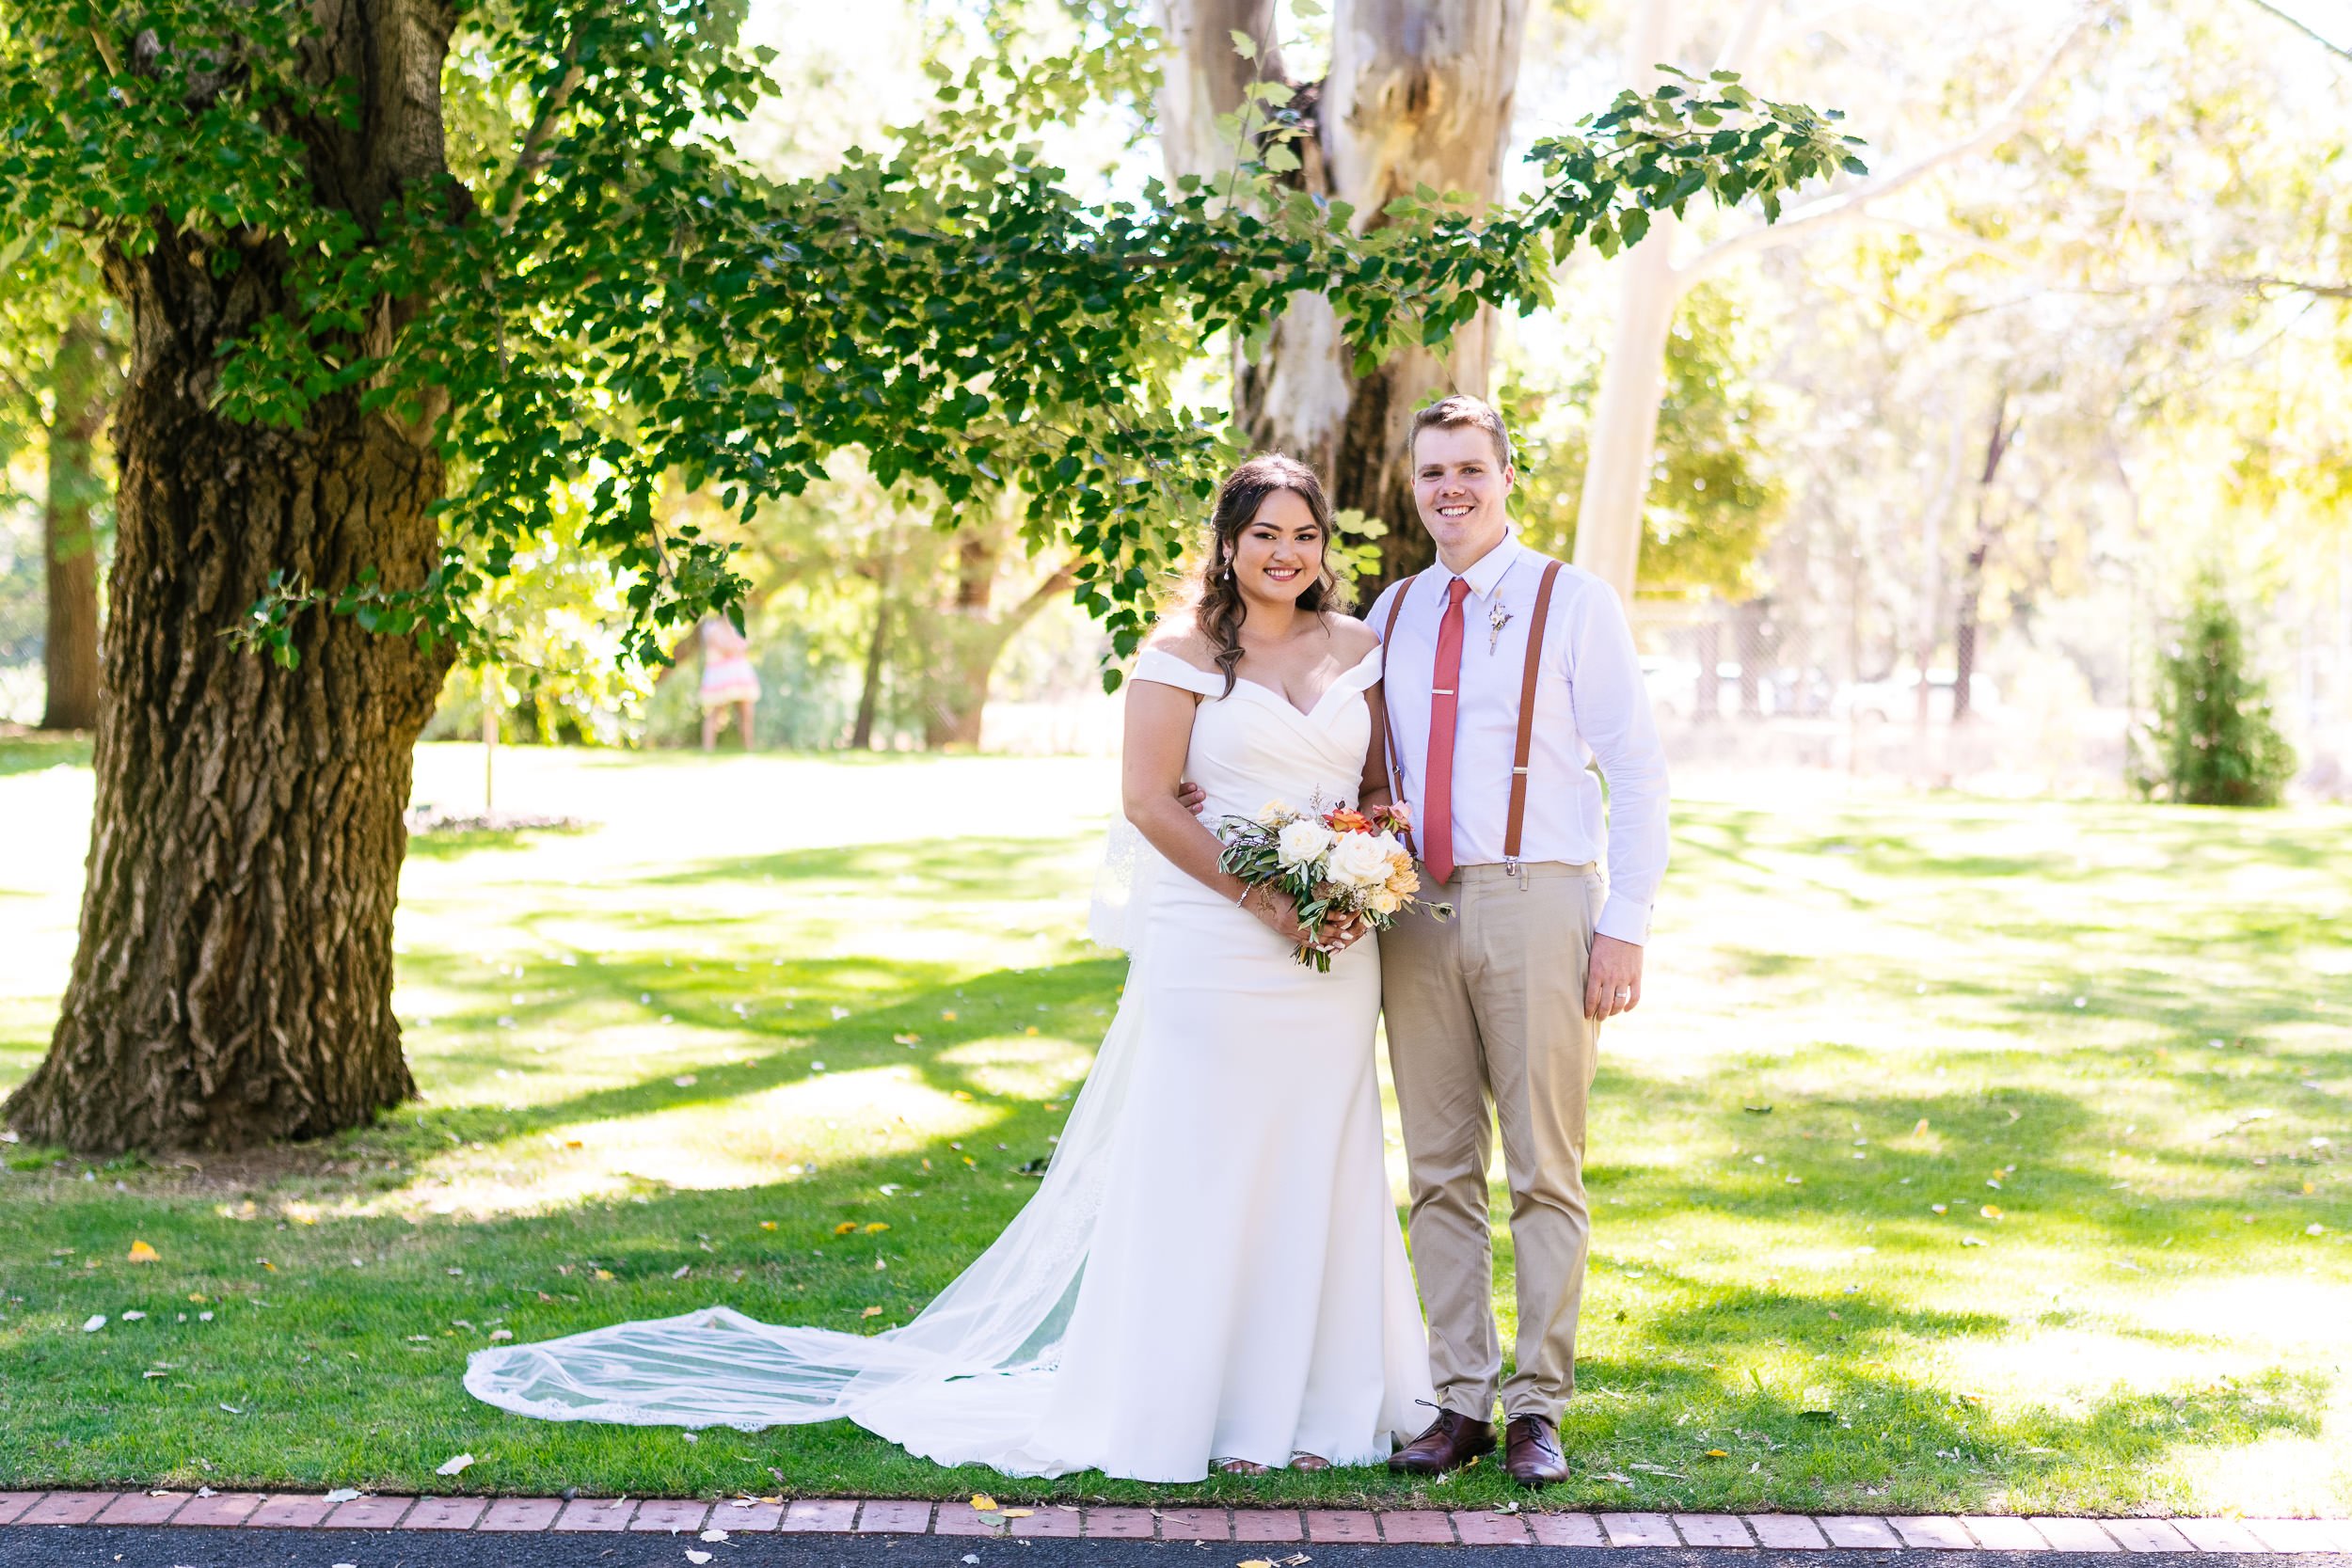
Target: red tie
{"x": 1437, "y": 805}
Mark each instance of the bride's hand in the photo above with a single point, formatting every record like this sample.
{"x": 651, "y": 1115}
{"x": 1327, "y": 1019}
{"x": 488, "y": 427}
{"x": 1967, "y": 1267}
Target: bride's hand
{"x": 1337, "y": 931}
{"x": 1341, "y": 931}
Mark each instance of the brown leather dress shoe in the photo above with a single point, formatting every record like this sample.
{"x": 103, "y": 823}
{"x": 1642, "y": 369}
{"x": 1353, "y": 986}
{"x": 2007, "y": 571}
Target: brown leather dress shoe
{"x": 1531, "y": 1454}
{"x": 1450, "y": 1442}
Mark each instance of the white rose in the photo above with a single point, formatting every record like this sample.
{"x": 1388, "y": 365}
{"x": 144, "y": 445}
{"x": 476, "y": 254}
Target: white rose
{"x": 1301, "y": 842}
{"x": 1388, "y": 843}
{"x": 1360, "y": 862}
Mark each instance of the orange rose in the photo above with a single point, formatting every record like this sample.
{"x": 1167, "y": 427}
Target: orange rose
{"x": 1344, "y": 821}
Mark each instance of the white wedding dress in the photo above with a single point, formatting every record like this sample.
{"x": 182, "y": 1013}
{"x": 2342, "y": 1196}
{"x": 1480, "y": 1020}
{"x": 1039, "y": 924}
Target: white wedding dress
{"x": 1212, "y": 1267}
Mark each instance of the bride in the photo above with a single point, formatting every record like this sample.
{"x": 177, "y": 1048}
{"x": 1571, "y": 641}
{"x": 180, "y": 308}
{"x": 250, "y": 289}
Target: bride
{"x": 1210, "y": 1274}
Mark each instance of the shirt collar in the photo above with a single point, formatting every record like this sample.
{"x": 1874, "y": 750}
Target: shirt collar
{"x": 1487, "y": 572}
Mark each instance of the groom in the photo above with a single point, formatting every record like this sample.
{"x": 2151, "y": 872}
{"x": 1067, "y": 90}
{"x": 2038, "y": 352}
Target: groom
{"x": 1505, "y": 672}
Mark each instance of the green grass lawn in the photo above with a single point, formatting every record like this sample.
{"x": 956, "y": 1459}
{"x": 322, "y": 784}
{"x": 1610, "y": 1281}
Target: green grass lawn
{"x": 1964, "y": 1155}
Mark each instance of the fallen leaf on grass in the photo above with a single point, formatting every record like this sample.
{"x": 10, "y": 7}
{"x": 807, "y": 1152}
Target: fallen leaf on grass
{"x": 134, "y": 1317}
{"x": 767, "y": 1225}
{"x": 142, "y": 1253}
{"x": 96, "y": 1321}
{"x": 876, "y": 1226}
{"x": 1718, "y": 1454}
{"x": 453, "y": 1464}
{"x": 871, "y": 1313}
{"x": 1989, "y": 1211}
{"x": 844, "y": 1227}
{"x": 680, "y": 1272}
{"x": 233, "y": 1410}
{"x": 604, "y": 1274}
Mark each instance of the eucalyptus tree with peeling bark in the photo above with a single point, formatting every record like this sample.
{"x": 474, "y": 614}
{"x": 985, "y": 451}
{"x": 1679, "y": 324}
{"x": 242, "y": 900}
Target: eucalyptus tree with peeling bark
{"x": 1417, "y": 100}
{"x": 361, "y": 386}
{"x": 1651, "y": 279}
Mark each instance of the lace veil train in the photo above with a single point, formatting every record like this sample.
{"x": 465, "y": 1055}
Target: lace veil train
{"x": 1006, "y": 1314}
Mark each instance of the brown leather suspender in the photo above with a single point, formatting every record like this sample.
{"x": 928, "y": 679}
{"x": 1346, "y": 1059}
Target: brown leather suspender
{"x": 1518, "y": 817}
{"x": 1388, "y": 718}
{"x": 1527, "y": 722}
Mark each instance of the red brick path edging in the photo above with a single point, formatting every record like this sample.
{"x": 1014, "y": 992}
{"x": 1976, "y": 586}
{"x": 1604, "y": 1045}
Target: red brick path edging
{"x": 1780, "y": 1532}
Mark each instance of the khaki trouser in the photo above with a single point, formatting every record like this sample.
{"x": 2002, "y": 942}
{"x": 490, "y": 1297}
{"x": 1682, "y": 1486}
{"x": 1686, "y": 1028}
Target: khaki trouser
{"x": 1485, "y": 1022}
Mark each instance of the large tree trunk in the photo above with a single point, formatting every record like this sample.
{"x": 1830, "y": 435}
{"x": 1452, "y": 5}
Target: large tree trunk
{"x": 70, "y": 655}
{"x": 1972, "y": 576}
{"x": 1420, "y": 91}
{"x": 966, "y": 642}
{"x": 1624, "y": 418}
{"x": 233, "y": 979}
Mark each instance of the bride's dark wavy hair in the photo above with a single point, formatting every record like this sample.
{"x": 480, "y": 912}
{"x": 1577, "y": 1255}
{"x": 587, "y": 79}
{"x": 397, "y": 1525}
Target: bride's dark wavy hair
{"x": 1219, "y": 610}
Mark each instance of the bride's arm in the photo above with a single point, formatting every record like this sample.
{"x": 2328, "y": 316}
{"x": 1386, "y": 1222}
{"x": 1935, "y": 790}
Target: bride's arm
{"x": 1159, "y": 732}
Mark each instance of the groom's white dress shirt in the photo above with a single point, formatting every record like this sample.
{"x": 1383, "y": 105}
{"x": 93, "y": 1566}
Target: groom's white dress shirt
{"x": 1591, "y": 705}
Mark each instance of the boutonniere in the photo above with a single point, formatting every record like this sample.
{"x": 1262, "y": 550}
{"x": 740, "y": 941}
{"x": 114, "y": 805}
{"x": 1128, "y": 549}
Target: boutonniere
{"x": 1496, "y": 620}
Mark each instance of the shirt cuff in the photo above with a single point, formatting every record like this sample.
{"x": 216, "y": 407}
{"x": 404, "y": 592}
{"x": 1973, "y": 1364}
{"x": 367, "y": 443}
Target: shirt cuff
{"x": 1624, "y": 919}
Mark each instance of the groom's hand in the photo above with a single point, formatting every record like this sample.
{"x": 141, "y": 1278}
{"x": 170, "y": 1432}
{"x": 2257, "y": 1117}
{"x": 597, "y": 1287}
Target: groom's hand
{"x": 1612, "y": 982}
{"x": 1191, "y": 797}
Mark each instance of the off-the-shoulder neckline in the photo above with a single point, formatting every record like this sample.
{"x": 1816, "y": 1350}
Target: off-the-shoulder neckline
{"x": 1343, "y": 683}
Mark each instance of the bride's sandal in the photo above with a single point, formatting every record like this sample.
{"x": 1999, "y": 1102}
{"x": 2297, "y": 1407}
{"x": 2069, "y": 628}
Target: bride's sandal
{"x": 1304, "y": 1461}
{"x": 1237, "y": 1467}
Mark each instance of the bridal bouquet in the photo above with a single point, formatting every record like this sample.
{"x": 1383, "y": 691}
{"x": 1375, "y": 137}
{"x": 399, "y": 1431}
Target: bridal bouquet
{"x": 1339, "y": 860}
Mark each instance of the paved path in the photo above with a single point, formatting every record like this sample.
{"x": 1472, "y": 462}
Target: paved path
{"x": 176, "y": 1529}
{"x": 100, "y": 1546}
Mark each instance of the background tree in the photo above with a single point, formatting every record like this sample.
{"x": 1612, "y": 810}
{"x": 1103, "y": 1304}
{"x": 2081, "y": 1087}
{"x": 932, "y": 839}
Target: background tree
{"x": 2213, "y": 742}
{"x": 362, "y": 385}
{"x": 59, "y": 366}
{"x": 1652, "y": 278}
{"x": 1715, "y": 496}
{"x": 1416, "y": 97}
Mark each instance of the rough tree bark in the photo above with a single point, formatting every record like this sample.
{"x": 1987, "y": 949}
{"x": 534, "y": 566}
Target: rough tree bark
{"x": 70, "y": 652}
{"x": 233, "y": 979}
{"x": 1419, "y": 92}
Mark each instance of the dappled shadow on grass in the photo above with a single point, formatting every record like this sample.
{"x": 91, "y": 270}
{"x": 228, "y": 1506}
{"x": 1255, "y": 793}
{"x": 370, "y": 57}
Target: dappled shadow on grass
{"x": 1059, "y": 997}
{"x": 450, "y": 844}
{"x": 2050, "y": 1151}
{"x": 32, "y": 750}
{"x": 931, "y": 871}
{"x": 1862, "y": 1402}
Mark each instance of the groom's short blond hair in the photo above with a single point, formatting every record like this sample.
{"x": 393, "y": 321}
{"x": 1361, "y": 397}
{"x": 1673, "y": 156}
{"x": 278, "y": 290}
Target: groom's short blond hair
{"x": 1456, "y": 411}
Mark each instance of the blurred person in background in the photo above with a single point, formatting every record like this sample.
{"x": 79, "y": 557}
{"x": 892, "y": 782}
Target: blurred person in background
{"x": 729, "y": 681}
